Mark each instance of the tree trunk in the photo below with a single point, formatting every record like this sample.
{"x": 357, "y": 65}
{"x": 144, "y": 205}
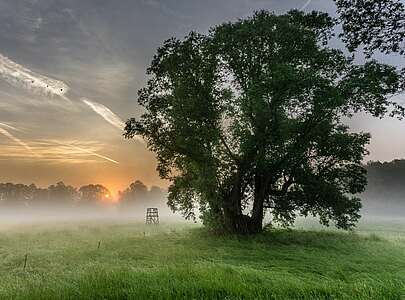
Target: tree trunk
{"x": 232, "y": 204}
{"x": 234, "y": 220}
{"x": 241, "y": 224}
{"x": 261, "y": 183}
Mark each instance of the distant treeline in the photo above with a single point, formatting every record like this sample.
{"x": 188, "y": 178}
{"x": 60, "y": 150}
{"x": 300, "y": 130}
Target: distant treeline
{"x": 385, "y": 192}
{"x": 61, "y": 195}
{"x": 137, "y": 197}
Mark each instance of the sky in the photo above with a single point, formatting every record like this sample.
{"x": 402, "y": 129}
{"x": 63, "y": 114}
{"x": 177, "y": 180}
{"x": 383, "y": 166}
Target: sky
{"x": 69, "y": 75}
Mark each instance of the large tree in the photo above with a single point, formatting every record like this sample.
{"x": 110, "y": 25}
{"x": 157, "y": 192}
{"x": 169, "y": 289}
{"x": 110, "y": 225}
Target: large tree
{"x": 136, "y": 193}
{"x": 249, "y": 118}
{"x": 137, "y": 197}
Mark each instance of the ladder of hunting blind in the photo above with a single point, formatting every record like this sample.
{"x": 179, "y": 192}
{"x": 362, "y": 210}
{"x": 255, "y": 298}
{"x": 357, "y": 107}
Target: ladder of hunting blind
{"x": 152, "y": 215}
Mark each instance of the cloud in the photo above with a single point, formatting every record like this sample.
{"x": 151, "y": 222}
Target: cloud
{"x": 9, "y": 126}
{"x": 89, "y": 33}
{"x": 105, "y": 113}
{"x": 17, "y": 140}
{"x": 161, "y": 5}
{"x": 46, "y": 150}
{"x": 95, "y": 154}
{"x": 306, "y": 4}
{"x": 109, "y": 116}
{"x": 57, "y": 151}
{"x": 22, "y": 77}
{"x": 75, "y": 148}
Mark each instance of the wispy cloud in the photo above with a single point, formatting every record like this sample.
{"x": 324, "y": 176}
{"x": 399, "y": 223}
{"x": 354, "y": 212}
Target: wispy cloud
{"x": 57, "y": 151}
{"x": 161, "y": 5}
{"x": 109, "y": 116}
{"x": 306, "y": 4}
{"x": 50, "y": 150}
{"x": 22, "y": 77}
{"x": 96, "y": 154}
{"x": 105, "y": 113}
{"x": 91, "y": 152}
{"x": 17, "y": 140}
{"x": 9, "y": 126}
{"x": 25, "y": 78}
{"x": 89, "y": 33}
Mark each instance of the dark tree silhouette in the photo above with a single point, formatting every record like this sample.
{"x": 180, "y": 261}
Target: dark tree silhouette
{"x": 157, "y": 195}
{"x": 17, "y": 195}
{"x": 41, "y": 199}
{"x": 137, "y": 196}
{"x": 135, "y": 193}
{"x": 385, "y": 191}
{"x": 249, "y": 116}
{"x": 93, "y": 194}
{"x": 373, "y": 24}
{"x": 20, "y": 195}
{"x": 61, "y": 194}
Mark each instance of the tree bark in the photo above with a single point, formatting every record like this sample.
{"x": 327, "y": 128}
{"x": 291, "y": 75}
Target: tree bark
{"x": 234, "y": 219}
{"x": 241, "y": 224}
{"x": 261, "y": 183}
{"x": 236, "y": 222}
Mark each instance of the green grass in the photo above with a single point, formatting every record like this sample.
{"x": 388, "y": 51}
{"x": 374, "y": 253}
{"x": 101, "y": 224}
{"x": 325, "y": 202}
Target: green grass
{"x": 186, "y": 262}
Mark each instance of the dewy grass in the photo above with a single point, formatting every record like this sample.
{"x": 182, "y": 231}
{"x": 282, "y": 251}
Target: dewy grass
{"x": 174, "y": 261}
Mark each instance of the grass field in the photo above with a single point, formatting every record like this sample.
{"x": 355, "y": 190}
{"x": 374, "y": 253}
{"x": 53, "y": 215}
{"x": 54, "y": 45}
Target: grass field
{"x": 174, "y": 261}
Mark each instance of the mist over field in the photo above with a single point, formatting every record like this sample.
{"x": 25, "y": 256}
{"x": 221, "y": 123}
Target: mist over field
{"x": 29, "y": 204}
{"x": 384, "y": 198}
{"x": 385, "y": 191}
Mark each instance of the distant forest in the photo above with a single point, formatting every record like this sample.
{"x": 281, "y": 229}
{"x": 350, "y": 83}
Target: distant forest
{"x": 136, "y": 197}
{"x": 385, "y": 192}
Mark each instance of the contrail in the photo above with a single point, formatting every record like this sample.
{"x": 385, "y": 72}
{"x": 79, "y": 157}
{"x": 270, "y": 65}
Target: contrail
{"x": 94, "y": 154}
{"x": 17, "y": 140}
{"x": 106, "y": 113}
{"x": 89, "y": 152}
{"x": 9, "y": 126}
{"x": 306, "y": 4}
{"x": 20, "y": 142}
{"x": 23, "y": 77}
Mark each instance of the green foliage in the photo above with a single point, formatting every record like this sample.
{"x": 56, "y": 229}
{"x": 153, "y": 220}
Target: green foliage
{"x": 248, "y": 118}
{"x": 179, "y": 262}
{"x": 376, "y": 25}
{"x": 93, "y": 194}
{"x": 137, "y": 197}
{"x": 22, "y": 196}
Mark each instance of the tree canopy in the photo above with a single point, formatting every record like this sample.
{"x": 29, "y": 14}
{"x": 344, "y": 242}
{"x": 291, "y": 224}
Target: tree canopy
{"x": 94, "y": 194}
{"x": 138, "y": 197}
{"x": 21, "y": 195}
{"x": 61, "y": 196}
{"x": 373, "y": 24}
{"x": 248, "y": 118}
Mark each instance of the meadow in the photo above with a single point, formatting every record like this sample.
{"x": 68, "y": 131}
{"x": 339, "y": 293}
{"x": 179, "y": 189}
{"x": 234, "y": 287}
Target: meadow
{"x": 129, "y": 260}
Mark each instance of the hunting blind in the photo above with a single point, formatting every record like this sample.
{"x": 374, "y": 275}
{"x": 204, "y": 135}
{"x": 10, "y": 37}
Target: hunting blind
{"x": 152, "y": 215}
